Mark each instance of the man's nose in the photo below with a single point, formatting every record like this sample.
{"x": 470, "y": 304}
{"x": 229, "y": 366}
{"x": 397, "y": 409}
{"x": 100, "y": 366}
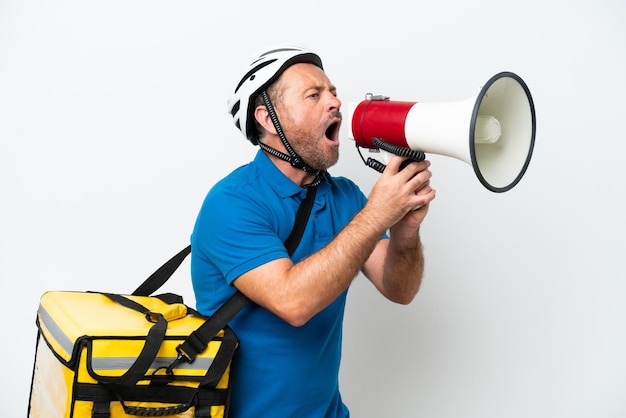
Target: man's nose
{"x": 334, "y": 103}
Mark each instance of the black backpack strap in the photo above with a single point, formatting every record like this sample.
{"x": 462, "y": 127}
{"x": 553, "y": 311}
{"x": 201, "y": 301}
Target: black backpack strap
{"x": 302, "y": 218}
{"x": 199, "y": 339}
{"x": 162, "y": 274}
{"x": 151, "y": 346}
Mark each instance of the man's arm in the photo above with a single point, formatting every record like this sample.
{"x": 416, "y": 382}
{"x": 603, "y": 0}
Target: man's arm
{"x": 296, "y": 292}
{"x": 396, "y": 268}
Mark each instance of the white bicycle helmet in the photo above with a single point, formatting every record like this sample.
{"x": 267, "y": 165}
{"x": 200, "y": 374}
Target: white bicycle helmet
{"x": 264, "y": 69}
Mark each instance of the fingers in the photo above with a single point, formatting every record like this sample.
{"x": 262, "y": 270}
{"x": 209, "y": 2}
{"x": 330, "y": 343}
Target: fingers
{"x": 397, "y": 193}
{"x": 414, "y": 179}
{"x": 425, "y": 195}
{"x": 416, "y": 174}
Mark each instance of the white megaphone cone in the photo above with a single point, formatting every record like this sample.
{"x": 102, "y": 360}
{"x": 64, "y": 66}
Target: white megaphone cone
{"x": 494, "y": 132}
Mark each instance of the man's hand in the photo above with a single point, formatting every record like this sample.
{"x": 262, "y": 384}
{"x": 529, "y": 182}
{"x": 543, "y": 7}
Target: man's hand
{"x": 401, "y": 196}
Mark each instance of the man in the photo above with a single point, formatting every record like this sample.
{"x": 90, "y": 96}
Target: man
{"x": 290, "y": 335}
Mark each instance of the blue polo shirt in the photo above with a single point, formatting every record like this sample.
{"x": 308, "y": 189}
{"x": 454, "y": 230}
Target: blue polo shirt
{"x": 280, "y": 370}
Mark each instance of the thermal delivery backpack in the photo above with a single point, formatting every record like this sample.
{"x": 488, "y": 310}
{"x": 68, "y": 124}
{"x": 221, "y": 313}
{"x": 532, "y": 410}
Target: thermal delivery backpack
{"x": 102, "y": 355}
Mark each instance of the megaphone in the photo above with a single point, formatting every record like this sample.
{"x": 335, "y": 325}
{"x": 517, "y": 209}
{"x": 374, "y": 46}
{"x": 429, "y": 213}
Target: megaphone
{"x": 494, "y": 131}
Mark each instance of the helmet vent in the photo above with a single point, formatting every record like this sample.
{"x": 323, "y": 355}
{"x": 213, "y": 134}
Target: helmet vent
{"x": 235, "y": 108}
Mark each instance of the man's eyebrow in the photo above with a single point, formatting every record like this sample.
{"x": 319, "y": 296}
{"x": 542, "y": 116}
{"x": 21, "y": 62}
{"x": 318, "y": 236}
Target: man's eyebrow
{"x": 321, "y": 87}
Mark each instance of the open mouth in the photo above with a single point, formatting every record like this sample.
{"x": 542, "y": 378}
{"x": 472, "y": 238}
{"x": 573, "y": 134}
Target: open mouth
{"x": 332, "y": 132}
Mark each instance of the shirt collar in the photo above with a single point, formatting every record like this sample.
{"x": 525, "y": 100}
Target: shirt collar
{"x": 278, "y": 181}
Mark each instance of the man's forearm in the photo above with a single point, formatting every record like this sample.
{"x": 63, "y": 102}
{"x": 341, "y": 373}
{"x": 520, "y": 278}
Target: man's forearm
{"x": 404, "y": 268}
{"x": 321, "y": 277}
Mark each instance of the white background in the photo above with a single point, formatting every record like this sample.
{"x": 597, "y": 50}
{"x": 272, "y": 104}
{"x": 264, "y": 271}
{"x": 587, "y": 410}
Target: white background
{"x": 113, "y": 126}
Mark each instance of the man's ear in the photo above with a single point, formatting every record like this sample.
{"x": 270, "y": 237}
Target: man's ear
{"x": 263, "y": 118}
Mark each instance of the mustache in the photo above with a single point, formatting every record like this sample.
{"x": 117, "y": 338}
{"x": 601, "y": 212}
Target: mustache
{"x": 336, "y": 114}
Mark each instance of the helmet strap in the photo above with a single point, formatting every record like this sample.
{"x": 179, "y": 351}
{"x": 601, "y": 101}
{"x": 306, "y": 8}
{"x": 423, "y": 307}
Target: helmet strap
{"x": 293, "y": 158}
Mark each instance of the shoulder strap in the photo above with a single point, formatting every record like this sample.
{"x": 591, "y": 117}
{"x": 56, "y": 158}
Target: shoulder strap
{"x": 199, "y": 339}
{"x": 302, "y": 218}
{"x": 162, "y": 274}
